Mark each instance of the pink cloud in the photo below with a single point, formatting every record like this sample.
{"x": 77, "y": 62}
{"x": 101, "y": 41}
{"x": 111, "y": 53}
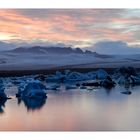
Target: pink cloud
{"x": 67, "y": 25}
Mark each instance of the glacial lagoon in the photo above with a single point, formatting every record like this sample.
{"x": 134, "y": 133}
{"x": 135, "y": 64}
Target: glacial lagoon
{"x": 92, "y": 109}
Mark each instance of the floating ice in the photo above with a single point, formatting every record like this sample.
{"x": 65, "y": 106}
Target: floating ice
{"x": 101, "y": 74}
{"x": 33, "y": 89}
{"x": 126, "y": 76}
{"x": 70, "y": 87}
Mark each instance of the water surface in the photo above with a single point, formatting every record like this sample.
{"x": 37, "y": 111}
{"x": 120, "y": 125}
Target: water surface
{"x": 73, "y": 110}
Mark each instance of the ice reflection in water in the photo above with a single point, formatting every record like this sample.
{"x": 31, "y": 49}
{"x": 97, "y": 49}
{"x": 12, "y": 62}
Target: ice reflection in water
{"x": 2, "y": 105}
{"x": 32, "y": 104}
{"x": 76, "y": 109}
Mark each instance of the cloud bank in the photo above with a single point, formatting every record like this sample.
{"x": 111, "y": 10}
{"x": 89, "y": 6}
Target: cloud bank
{"x": 76, "y": 27}
{"x": 114, "y": 47}
{"x": 66, "y": 25}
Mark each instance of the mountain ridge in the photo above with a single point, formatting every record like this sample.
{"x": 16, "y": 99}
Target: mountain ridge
{"x": 56, "y": 50}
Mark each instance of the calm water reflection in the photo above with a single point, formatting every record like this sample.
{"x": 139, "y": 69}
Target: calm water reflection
{"x": 74, "y": 110}
{"x": 2, "y": 105}
{"x": 32, "y": 104}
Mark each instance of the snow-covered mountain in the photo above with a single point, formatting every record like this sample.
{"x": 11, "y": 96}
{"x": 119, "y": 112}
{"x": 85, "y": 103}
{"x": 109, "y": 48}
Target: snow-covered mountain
{"x": 54, "y": 50}
{"x": 35, "y": 58}
{"x": 47, "y": 50}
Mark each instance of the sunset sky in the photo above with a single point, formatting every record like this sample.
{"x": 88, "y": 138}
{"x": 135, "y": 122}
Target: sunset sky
{"x": 78, "y": 27}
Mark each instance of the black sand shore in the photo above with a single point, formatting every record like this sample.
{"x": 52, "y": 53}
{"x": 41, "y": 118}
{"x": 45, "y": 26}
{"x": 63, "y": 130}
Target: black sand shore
{"x": 12, "y": 73}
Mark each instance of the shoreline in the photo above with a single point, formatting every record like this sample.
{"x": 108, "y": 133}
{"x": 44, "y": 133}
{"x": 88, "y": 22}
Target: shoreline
{"x": 12, "y": 73}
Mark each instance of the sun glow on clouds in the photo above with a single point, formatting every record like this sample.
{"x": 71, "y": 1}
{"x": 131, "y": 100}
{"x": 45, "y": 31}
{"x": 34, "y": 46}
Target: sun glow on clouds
{"x": 80, "y": 27}
{"x": 6, "y": 36}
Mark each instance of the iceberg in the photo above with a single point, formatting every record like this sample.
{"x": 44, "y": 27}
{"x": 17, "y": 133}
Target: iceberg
{"x": 33, "y": 89}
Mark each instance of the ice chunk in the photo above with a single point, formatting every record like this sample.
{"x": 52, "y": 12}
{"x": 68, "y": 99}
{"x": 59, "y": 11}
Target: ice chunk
{"x": 33, "y": 89}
